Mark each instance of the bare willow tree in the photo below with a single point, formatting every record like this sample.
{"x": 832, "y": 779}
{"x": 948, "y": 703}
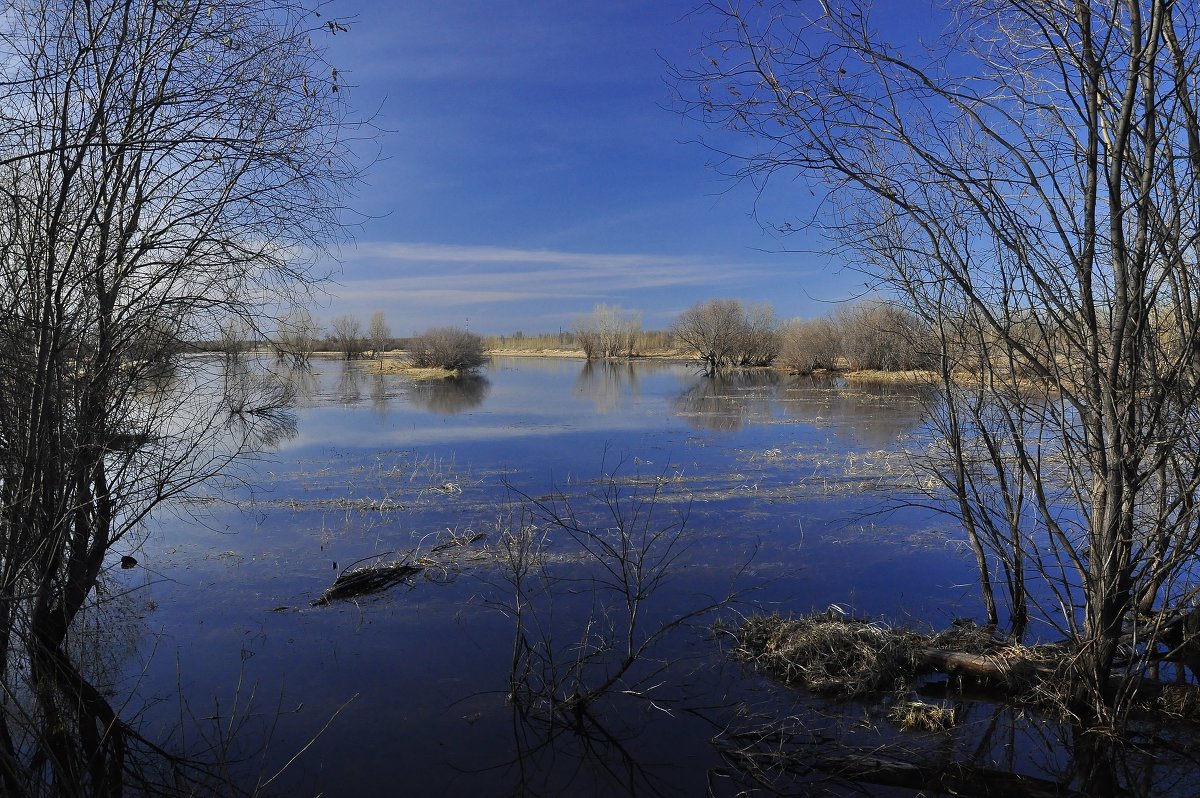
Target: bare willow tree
{"x": 608, "y": 331}
{"x": 1031, "y": 185}
{"x": 165, "y": 167}
{"x": 379, "y": 334}
{"x": 296, "y": 335}
{"x": 728, "y": 332}
{"x": 347, "y": 334}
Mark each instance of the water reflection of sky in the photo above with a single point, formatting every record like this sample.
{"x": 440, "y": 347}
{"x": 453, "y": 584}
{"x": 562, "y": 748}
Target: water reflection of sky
{"x": 619, "y": 404}
{"x": 752, "y": 459}
{"x": 759, "y": 460}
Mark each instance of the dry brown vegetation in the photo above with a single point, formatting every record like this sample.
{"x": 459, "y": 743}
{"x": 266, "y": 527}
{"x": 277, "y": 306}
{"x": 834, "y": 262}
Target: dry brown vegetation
{"x": 869, "y": 336}
{"x": 836, "y": 654}
{"x": 400, "y": 365}
{"x": 649, "y": 343}
{"x": 449, "y": 348}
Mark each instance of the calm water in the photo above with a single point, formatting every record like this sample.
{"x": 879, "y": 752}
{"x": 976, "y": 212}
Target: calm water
{"x": 787, "y": 486}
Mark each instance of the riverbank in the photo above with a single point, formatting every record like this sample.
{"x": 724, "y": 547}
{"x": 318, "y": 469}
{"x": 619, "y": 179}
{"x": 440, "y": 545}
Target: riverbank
{"x": 664, "y": 354}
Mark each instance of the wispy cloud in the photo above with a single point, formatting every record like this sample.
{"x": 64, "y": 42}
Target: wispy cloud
{"x": 454, "y": 273}
{"x": 455, "y": 253}
{"x": 428, "y": 280}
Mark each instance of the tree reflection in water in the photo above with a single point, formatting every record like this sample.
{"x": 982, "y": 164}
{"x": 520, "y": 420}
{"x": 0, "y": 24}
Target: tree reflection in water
{"x": 381, "y": 400}
{"x": 69, "y": 636}
{"x": 450, "y": 396}
{"x": 583, "y": 754}
{"x": 605, "y": 382}
{"x": 349, "y": 387}
{"x": 729, "y": 400}
{"x": 993, "y": 749}
{"x": 877, "y": 412}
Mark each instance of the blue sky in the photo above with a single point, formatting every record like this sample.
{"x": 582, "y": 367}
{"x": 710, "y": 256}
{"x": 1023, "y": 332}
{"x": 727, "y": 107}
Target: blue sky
{"x": 532, "y": 167}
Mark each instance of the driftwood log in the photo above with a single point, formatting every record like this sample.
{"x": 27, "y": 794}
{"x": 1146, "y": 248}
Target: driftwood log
{"x": 1008, "y": 676}
{"x": 1006, "y": 671}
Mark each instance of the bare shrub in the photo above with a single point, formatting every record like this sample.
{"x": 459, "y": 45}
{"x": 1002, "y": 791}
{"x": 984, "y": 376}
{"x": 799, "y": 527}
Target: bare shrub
{"x": 760, "y": 336}
{"x": 296, "y": 336}
{"x": 631, "y": 544}
{"x": 885, "y": 337}
{"x": 451, "y": 348}
{"x": 810, "y": 345}
{"x": 235, "y": 337}
{"x": 726, "y": 332}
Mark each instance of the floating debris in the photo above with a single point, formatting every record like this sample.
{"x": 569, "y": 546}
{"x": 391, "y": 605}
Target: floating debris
{"x": 366, "y": 579}
{"x": 458, "y": 540}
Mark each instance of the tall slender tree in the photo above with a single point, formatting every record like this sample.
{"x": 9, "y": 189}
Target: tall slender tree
{"x": 1030, "y": 184}
{"x": 165, "y": 167}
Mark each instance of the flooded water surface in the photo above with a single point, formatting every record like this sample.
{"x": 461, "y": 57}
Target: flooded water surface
{"x": 508, "y": 496}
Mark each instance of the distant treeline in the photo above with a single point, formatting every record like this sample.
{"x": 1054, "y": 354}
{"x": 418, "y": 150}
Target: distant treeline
{"x": 720, "y": 333}
{"x": 730, "y": 333}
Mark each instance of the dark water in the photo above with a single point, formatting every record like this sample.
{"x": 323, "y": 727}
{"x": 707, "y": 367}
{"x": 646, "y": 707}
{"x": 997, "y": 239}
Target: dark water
{"x": 789, "y": 491}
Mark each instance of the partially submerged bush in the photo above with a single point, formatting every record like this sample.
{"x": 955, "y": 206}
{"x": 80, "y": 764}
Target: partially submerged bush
{"x": 727, "y": 332}
{"x": 450, "y": 348}
{"x": 881, "y": 336}
{"x": 608, "y": 332}
{"x": 810, "y": 345}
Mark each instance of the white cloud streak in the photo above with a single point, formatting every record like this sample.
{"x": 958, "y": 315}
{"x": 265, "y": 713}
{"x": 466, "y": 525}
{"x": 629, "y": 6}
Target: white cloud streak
{"x": 444, "y": 273}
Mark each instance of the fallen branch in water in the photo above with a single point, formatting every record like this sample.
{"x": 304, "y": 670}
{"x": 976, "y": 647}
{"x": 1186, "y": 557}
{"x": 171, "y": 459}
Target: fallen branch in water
{"x": 440, "y": 565}
{"x": 366, "y": 579}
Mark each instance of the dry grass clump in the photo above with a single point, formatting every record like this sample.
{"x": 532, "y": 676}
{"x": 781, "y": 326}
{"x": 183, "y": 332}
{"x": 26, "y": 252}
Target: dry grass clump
{"x": 920, "y": 716}
{"x": 904, "y": 377}
{"x": 970, "y": 638}
{"x": 1179, "y": 701}
{"x": 403, "y": 368}
{"x": 830, "y": 654}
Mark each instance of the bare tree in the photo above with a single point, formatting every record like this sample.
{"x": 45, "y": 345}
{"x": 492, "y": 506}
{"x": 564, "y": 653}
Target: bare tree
{"x": 379, "y": 334}
{"x": 296, "y": 335}
{"x": 235, "y": 337}
{"x": 348, "y": 336}
{"x": 608, "y": 331}
{"x": 711, "y": 330}
{"x": 760, "y": 335}
{"x": 725, "y": 332}
{"x": 882, "y": 336}
{"x": 1031, "y": 187}
{"x": 164, "y": 167}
